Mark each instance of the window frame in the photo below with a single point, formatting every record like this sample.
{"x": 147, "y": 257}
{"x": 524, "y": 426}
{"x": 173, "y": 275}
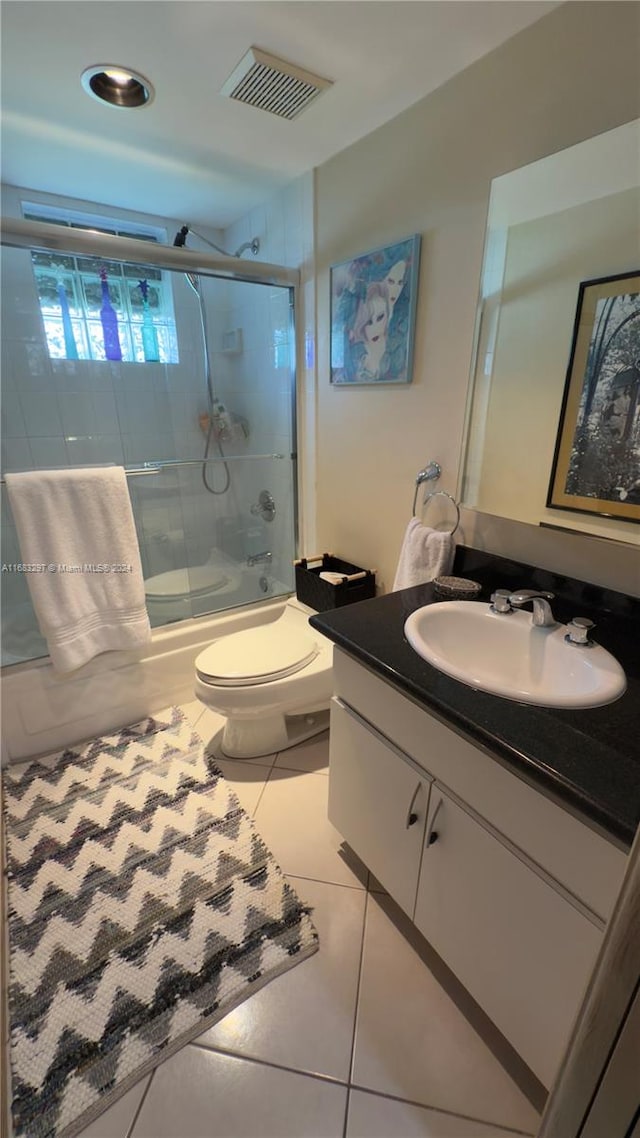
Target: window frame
{"x": 80, "y": 276}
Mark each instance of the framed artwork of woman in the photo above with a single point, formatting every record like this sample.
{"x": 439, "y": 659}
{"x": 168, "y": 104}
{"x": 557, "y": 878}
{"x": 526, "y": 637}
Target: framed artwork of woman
{"x": 373, "y": 309}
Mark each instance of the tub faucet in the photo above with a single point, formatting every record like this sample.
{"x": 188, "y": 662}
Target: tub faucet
{"x": 257, "y": 558}
{"x": 542, "y": 614}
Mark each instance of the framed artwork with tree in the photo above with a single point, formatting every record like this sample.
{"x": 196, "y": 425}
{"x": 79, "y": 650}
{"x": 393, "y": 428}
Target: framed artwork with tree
{"x": 596, "y": 465}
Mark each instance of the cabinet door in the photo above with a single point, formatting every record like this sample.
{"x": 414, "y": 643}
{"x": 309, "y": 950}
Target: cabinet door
{"x": 378, "y": 800}
{"x": 519, "y": 947}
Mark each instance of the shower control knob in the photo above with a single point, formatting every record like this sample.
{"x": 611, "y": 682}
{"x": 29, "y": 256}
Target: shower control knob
{"x": 265, "y": 507}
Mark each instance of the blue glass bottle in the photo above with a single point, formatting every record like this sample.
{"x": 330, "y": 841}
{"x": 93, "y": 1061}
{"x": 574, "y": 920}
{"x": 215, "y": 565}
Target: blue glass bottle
{"x": 149, "y": 334}
{"x": 70, "y": 346}
{"x": 109, "y": 320}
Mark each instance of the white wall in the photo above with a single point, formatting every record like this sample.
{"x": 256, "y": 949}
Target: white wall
{"x": 569, "y": 76}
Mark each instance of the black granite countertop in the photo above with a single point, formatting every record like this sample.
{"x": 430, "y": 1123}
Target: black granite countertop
{"x": 588, "y": 759}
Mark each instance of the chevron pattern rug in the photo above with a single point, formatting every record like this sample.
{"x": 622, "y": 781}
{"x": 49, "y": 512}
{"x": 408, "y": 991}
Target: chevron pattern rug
{"x": 143, "y": 906}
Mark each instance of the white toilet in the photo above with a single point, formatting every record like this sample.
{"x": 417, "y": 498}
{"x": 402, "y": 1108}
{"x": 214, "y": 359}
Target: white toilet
{"x": 273, "y": 683}
{"x": 182, "y": 593}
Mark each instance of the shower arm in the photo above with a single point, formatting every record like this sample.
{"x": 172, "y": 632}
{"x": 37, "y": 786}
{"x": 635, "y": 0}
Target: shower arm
{"x": 253, "y": 244}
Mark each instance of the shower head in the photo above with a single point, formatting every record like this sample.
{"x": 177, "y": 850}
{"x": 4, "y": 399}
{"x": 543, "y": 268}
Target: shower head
{"x": 253, "y": 245}
{"x": 181, "y": 237}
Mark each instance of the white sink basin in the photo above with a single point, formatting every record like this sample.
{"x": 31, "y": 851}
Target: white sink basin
{"x": 506, "y": 655}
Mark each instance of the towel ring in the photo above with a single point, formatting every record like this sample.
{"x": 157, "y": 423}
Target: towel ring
{"x": 444, "y": 494}
{"x": 431, "y": 473}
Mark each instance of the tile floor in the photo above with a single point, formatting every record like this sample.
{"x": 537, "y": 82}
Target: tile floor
{"x": 359, "y": 1041}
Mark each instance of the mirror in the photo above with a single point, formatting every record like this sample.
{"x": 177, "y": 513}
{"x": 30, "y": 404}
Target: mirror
{"x": 570, "y": 218}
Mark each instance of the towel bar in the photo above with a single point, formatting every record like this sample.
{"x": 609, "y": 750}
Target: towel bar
{"x": 156, "y": 467}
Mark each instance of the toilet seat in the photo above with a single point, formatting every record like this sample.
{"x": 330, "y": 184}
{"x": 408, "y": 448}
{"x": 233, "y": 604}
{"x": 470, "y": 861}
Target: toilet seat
{"x": 255, "y": 656}
{"x": 185, "y": 582}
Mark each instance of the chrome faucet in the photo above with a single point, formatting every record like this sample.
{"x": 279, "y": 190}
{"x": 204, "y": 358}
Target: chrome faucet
{"x": 258, "y": 558}
{"x": 542, "y": 614}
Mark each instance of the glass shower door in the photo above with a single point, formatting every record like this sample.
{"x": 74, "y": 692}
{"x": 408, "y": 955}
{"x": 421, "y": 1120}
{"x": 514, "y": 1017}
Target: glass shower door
{"x": 206, "y": 432}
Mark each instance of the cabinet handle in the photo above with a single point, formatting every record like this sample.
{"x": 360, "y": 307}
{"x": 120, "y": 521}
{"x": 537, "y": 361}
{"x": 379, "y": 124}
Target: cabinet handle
{"x": 411, "y": 817}
{"x": 433, "y": 835}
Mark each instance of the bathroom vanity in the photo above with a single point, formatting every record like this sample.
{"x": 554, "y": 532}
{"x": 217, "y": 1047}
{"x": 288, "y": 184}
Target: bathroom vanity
{"x": 500, "y": 828}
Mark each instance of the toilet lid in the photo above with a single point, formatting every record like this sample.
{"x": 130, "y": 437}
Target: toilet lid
{"x": 256, "y": 656}
{"x": 185, "y": 582}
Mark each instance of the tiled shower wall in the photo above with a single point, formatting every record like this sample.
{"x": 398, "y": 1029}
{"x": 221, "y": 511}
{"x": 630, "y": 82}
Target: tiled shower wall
{"x": 285, "y": 226}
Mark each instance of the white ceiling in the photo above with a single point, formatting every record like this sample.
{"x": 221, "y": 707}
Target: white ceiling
{"x": 193, "y": 153}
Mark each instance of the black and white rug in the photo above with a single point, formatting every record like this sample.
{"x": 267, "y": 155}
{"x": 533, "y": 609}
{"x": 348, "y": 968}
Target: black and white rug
{"x": 143, "y": 906}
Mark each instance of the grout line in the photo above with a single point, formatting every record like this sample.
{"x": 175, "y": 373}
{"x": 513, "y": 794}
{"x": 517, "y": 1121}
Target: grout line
{"x": 358, "y": 989}
{"x": 346, "y": 1113}
{"x": 264, "y": 787}
{"x": 267, "y": 1063}
{"x": 136, "y": 1115}
{"x": 508, "y": 1130}
{"x": 299, "y": 770}
{"x": 323, "y": 881}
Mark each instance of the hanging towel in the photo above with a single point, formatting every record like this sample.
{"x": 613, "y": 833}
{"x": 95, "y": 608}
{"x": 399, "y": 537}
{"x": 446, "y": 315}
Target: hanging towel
{"x": 78, "y": 526}
{"x": 426, "y": 553}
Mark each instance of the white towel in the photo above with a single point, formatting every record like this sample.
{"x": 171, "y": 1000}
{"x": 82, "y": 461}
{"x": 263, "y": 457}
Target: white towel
{"x": 426, "y": 553}
{"x": 82, "y": 520}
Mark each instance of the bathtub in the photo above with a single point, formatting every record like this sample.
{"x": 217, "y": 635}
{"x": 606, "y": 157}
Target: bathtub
{"x": 45, "y": 711}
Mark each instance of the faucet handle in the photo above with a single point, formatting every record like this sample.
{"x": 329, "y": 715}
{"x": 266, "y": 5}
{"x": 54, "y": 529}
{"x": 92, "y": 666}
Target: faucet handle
{"x": 500, "y": 600}
{"x": 578, "y": 630}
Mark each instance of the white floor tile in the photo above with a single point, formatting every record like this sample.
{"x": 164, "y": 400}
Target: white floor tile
{"x": 247, "y": 779}
{"x": 312, "y": 755}
{"x": 115, "y": 1121}
{"x": 210, "y": 726}
{"x": 193, "y": 711}
{"x": 305, "y": 1018}
{"x": 210, "y": 729}
{"x": 371, "y": 1116}
{"x": 413, "y": 1042}
{"x": 292, "y": 818}
{"x": 201, "y": 1094}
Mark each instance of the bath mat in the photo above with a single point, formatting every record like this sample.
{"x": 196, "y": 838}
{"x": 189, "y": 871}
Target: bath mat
{"x": 143, "y": 906}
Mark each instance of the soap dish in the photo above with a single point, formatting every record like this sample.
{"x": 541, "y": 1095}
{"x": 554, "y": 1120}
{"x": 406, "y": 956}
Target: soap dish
{"x": 456, "y": 588}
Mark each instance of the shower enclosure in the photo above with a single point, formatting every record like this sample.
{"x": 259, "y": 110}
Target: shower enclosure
{"x": 191, "y": 389}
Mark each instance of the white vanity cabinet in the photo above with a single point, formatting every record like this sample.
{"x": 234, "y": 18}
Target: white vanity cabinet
{"x": 510, "y": 889}
{"x": 522, "y": 950}
{"x": 379, "y": 798}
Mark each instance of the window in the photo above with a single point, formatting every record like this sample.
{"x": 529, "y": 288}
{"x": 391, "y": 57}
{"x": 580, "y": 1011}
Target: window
{"x": 97, "y": 310}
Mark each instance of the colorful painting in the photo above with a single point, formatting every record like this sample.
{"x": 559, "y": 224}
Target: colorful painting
{"x": 373, "y": 309}
{"x": 596, "y": 467}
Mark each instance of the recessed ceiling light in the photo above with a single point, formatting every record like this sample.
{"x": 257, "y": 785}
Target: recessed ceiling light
{"x": 118, "y": 86}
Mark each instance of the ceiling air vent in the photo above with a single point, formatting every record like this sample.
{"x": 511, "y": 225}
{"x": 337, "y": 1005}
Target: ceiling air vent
{"x": 271, "y": 84}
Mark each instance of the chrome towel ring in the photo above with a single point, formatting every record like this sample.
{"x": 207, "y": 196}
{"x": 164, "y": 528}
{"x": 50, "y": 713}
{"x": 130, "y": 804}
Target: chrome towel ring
{"x": 443, "y": 493}
{"x": 431, "y": 473}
